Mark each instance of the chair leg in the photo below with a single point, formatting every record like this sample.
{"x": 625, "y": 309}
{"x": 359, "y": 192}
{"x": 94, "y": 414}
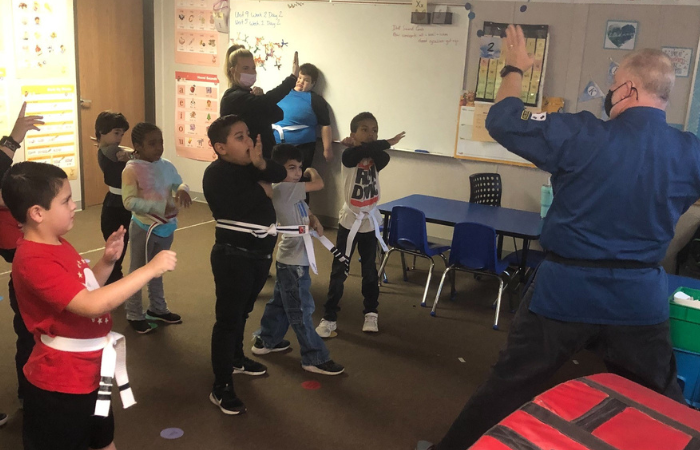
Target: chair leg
{"x": 427, "y": 283}
{"x": 414, "y": 263}
{"x": 383, "y": 266}
{"x": 498, "y": 303}
{"x": 403, "y": 266}
{"x": 437, "y": 296}
{"x": 453, "y": 290}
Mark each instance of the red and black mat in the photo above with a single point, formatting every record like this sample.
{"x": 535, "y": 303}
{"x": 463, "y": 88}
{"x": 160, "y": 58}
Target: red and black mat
{"x": 599, "y": 412}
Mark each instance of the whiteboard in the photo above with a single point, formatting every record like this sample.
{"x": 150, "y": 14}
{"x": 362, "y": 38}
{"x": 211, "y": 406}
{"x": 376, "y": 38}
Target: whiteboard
{"x": 372, "y": 59}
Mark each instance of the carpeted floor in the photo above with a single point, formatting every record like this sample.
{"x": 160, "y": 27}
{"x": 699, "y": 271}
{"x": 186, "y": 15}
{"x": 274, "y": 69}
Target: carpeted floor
{"x": 406, "y": 383}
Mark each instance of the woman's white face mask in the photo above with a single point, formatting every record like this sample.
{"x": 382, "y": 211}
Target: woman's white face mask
{"x": 247, "y": 80}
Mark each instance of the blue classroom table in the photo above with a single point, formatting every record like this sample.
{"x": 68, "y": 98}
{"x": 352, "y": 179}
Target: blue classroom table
{"x": 523, "y": 225}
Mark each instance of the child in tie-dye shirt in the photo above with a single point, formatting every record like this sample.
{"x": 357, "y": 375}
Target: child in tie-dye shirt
{"x": 148, "y": 184}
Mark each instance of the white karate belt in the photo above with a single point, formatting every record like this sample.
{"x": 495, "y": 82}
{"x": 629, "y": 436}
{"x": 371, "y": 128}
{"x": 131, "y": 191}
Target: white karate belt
{"x": 113, "y": 366}
{"x": 303, "y": 231}
{"x": 280, "y": 130}
{"x": 157, "y": 220}
{"x": 356, "y": 226}
{"x": 115, "y": 191}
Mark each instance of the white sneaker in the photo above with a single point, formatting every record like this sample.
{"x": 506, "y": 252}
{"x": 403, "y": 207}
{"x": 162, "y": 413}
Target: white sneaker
{"x": 370, "y": 325}
{"x": 325, "y": 328}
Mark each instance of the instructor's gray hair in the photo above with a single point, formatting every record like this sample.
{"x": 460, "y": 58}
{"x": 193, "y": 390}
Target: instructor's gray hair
{"x": 654, "y": 69}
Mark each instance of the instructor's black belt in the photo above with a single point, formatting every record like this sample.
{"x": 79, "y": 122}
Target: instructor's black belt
{"x": 601, "y": 263}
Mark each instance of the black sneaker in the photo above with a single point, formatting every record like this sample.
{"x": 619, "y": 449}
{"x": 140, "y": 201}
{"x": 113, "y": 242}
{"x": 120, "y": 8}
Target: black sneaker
{"x": 327, "y": 368}
{"x": 3, "y": 419}
{"x": 225, "y": 398}
{"x": 249, "y": 367}
{"x": 168, "y": 317}
{"x": 142, "y": 326}
{"x": 259, "y": 347}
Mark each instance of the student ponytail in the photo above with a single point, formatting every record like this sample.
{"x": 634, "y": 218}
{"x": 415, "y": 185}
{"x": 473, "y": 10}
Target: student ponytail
{"x": 232, "y": 54}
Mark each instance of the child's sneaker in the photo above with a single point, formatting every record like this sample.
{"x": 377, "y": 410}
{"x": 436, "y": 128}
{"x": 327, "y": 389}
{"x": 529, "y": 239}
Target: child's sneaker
{"x": 249, "y": 367}
{"x": 326, "y": 327}
{"x": 142, "y": 326}
{"x": 370, "y": 325}
{"x": 225, "y": 398}
{"x": 168, "y": 317}
{"x": 3, "y": 419}
{"x": 259, "y": 347}
{"x": 327, "y": 368}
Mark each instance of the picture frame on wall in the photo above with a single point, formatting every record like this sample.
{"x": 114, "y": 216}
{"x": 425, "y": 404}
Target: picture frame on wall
{"x": 681, "y": 58}
{"x": 621, "y": 34}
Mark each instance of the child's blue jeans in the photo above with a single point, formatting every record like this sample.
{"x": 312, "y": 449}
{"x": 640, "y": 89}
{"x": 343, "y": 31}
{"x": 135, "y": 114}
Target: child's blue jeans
{"x": 293, "y": 305}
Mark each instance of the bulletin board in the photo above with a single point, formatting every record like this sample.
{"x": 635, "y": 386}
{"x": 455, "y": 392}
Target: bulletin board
{"x": 585, "y": 39}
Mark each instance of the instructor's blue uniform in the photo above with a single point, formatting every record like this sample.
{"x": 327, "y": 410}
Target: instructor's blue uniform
{"x": 620, "y": 187}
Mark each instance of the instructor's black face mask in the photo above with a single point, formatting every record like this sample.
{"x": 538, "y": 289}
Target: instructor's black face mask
{"x": 608, "y": 98}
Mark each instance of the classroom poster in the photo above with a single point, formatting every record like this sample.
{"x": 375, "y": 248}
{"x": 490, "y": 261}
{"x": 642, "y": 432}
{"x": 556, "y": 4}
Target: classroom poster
{"x": 55, "y": 143}
{"x": 490, "y": 65}
{"x": 196, "y": 37}
{"x": 5, "y": 125}
{"x": 197, "y": 106}
{"x": 41, "y": 39}
{"x": 479, "y": 131}
{"x": 681, "y": 59}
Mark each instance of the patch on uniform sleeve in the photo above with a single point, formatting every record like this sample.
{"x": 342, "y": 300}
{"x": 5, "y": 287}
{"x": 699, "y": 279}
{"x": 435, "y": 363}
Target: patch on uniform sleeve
{"x": 540, "y": 117}
{"x": 525, "y": 115}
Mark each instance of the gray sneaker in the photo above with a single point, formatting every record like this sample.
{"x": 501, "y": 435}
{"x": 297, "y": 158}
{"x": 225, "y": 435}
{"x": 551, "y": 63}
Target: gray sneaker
{"x": 325, "y": 328}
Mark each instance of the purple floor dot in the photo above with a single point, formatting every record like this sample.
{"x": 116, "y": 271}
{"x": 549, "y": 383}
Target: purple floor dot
{"x": 467, "y": 6}
{"x": 523, "y": 8}
{"x": 171, "y": 433}
{"x": 479, "y": 33}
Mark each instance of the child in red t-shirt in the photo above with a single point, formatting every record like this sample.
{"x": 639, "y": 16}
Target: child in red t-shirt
{"x": 63, "y": 304}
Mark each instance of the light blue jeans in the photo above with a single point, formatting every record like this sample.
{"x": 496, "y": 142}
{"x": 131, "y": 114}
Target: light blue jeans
{"x": 156, "y": 296}
{"x": 293, "y": 305}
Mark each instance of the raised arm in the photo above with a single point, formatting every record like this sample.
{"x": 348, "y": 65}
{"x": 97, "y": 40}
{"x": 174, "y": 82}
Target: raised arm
{"x": 316, "y": 183}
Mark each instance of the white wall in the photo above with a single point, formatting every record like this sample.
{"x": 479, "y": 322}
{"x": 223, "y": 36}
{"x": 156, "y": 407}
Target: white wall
{"x": 12, "y": 84}
{"x": 407, "y": 173}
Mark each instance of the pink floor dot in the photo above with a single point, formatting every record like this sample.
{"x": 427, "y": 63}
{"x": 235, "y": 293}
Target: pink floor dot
{"x": 311, "y": 385}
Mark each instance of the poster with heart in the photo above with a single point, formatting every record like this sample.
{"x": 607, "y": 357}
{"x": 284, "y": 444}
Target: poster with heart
{"x": 621, "y": 35}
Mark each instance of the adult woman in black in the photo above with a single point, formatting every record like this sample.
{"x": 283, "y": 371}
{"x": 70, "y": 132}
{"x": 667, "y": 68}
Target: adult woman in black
{"x": 258, "y": 110}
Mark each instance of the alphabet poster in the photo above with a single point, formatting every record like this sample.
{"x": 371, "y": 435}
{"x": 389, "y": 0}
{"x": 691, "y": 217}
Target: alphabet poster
{"x": 43, "y": 48}
{"x": 196, "y": 38}
{"x": 55, "y": 143}
{"x": 196, "y": 107}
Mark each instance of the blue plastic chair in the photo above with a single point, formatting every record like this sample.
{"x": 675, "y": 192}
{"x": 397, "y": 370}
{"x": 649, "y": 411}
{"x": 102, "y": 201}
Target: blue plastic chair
{"x": 474, "y": 250}
{"x": 534, "y": 259}
{"x": 408, "y": 234}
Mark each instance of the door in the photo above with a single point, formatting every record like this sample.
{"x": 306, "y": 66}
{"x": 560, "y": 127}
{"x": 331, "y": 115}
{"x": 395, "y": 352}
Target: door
{"x": 109, "y": 35}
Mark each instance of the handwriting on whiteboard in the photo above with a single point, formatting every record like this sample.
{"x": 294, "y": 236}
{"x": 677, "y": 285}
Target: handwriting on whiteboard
{"x": 419, "y": 34}
{"x": 258, "y": 19}
{"x": 294, "y": 5}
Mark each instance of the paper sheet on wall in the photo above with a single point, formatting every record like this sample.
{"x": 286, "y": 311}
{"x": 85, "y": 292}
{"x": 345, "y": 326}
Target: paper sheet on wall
{"x": 55, "y": 143}
{"x": 5, "y": 126}
{"x": 196, "y": 38}
{"x": 41, "y": 39}
{"x": 479, "y": 131}
{"x": 197, "y": 106}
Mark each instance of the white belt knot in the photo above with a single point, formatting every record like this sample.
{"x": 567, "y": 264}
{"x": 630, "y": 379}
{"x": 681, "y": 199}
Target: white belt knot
{"x": 113, "y": 365}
